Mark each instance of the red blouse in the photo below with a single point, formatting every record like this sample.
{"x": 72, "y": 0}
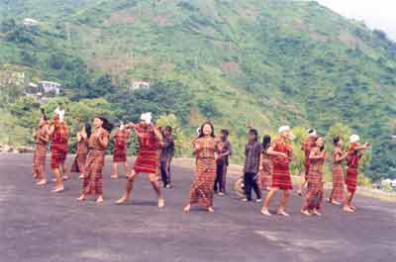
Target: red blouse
{"x": 281, "y": 145}
{"x": 146, "y": 137}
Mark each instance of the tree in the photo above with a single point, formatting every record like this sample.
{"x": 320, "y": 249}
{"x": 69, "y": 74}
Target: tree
{"x": 208, "y": 108}
{"x": 297, "y": 165}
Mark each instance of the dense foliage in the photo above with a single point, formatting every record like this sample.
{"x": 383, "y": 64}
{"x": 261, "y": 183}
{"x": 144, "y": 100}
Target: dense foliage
{"x": 238, "y": 63}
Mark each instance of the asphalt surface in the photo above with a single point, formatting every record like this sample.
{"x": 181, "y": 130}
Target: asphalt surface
{"x": 37, "y": 225}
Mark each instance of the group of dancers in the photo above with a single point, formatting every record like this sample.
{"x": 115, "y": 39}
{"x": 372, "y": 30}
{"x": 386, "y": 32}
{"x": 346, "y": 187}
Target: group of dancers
{"x": 266, "y": 166}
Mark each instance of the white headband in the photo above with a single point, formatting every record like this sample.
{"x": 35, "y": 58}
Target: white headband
{"x": 354, "y": 138}
{"x": 283, "y": 128}
{"x": 146, "y": 117}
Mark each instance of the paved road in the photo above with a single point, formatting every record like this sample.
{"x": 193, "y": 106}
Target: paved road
{"x": 37, "y": 225}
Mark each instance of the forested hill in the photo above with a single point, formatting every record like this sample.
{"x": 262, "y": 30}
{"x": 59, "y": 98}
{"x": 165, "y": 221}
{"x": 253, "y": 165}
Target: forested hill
{"x": 257, "y": 62}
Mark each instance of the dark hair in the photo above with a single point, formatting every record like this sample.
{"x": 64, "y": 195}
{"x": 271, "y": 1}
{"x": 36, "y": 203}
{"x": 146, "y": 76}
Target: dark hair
{"x": 336, "y": 140}
{"x": 106, "y": 123}
{"x": 168, "y": 128}
{"x": 201, "y": 134}
{"x": 266, "y": 141}
{"x": 88, "y": 129}
{"x": 43, "y": 114}
{"x": 225, "y": 132}
{"x": 311, "y": 130}
{"x": 254, "y": 132}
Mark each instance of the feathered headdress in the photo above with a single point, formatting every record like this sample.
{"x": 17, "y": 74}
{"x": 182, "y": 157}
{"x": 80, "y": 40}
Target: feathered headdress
{"x": 312, "y": 132}
{"x": 283, "y": 128}
{"x": 60, "y": 113}
{"x": 354, "y": 138}
{"x": 146, "y": 117}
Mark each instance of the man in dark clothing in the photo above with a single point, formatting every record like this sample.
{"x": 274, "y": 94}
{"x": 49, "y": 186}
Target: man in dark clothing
{"x": 251, "y": 167}
{"x": 225, "y": 150}
{"x": 167, "y": 152}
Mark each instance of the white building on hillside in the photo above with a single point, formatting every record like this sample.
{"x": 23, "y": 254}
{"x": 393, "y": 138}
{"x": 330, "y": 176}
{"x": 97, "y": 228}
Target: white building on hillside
{"x": 139, "y": 84}
{"x": 30, "y": 22}
{"x": 51, "y": 87}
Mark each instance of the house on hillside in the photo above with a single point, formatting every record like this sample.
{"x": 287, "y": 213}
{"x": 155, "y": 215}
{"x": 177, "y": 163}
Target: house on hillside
{"x": 139, "y": 84}
{"x": 50, "y": 87}
{"x": 30, "y": 22}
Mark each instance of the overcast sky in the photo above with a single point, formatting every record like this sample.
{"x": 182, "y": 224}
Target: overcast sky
{"x": 377, "y": 14}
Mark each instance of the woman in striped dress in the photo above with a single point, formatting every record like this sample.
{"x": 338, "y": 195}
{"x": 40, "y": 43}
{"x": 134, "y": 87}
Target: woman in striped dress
{"x": 82, "y": 150}
{"x": 148, "y": 159}
{"x": 121, "y": 137}
{"x": 98, "y": 142}
{"x": 281, "y": 151}
{"x": 59, "y": 146}
{"x": 337, "y": 194}
{"x": 314, "y": 195}
{"x": 355, "y": 153}
{"x": 206, "y": 153}
{"x": 41, "y": 139}
{"x": 265, "y": 173}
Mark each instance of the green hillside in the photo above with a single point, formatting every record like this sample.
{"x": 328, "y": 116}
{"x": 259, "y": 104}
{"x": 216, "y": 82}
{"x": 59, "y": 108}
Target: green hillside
{"x": 257, "y": 62}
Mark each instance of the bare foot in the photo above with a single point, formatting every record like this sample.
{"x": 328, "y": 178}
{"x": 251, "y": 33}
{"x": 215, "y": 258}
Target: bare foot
{"x": 265, "y": 212}
{"x": 210, "y": 209}
{"x": 305, "y": 212}
{"x": 41, "y": 182}
{"x": 282, "y": 213}
{"x": 348, "y": 209}
{"x": 317, "y": 213}
{"x": 187, "y": 208}
{"x": 81, "y": 198}
{"x": 58, "y": 190}
{"x": 161, "y": 203}
{"x": 122, "y": 200}
{"x": 99, "y": 200}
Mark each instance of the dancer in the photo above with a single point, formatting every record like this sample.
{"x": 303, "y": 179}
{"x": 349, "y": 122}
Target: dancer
{"x": 306, "y": 146}
{"x": 337, "y": 193}
{"x": 98, "y": 142}
{"x": 59, "y": 146}
{"x": 314, "y": 196}
{"x": 253, "y": 150}
{"x": 225, "y": 150}
{"x": 121, "y": 137}
{"x": 206, "y": 152}
{"x": 355, "y": 153}
{"x": 167, "y": 152}
{"x": 82, "y": 150}
{"x": 147, "y": 161}
{"x": 281, "y": 151}
{"x": 41, "y": 138}
{"x": 265, "y": 173}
